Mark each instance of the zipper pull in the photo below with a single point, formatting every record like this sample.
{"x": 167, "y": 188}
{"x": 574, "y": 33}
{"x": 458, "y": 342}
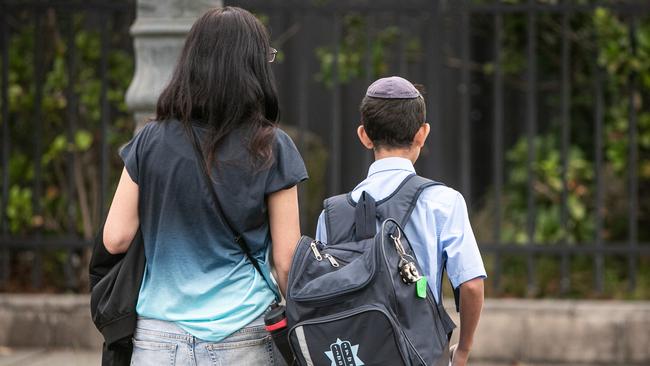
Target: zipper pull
{"x": 314, "y": 249}
{"x": 332, "y": 260}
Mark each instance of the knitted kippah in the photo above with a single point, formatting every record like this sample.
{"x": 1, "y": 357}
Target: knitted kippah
{"x": 393, "y": 87}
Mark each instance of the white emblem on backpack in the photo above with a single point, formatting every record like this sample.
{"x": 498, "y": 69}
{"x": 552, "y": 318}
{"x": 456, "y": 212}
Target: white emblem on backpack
{"x": 343, "y": 353}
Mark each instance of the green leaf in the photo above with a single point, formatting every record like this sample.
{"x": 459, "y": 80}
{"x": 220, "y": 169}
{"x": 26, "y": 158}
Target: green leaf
{"x": 83, "y": 140}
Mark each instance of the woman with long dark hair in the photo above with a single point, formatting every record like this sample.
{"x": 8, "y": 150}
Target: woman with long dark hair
{"x": 214, "y": 137}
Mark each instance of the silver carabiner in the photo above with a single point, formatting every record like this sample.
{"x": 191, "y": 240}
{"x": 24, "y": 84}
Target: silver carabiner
{"x": 398, "y": 243}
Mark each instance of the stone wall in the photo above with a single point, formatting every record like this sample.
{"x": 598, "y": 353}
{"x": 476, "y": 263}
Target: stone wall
{"x": 561, "y": 331}
{"x": 47, "y": 321}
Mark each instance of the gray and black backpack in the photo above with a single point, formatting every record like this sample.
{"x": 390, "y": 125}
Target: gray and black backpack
{"x": 360, "y": 299}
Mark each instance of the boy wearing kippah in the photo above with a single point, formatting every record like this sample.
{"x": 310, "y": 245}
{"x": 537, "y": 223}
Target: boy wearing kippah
{"x": 393, "y": 126}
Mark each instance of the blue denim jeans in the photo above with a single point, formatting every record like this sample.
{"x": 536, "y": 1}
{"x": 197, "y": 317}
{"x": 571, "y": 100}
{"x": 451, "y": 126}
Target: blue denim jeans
{"x": 161, "y": 343}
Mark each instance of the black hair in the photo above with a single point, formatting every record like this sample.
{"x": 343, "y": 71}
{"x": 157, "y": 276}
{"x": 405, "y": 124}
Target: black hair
{"x": 223, "y": 80}
{"x": 392, "y": 123}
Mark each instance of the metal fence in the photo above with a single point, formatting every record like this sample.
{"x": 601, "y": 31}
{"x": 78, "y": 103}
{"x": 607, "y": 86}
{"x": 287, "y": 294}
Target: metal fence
{"x": 331, "y": 51}
{"x": 476, "y": 118}
{"x": 41, "y": 56}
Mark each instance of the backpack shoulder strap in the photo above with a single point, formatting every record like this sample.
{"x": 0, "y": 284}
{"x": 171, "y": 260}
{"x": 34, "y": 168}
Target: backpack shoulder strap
{"x": 400, "y": 204}
{"x": 339, "y": 218}
{"x": 342, "y": 214}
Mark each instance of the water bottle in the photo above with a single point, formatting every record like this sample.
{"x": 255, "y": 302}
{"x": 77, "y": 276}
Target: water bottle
{"x": 276, "y": 323}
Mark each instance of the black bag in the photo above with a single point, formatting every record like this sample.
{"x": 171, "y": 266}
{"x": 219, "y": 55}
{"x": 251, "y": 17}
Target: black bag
{"x": 115, "y": 281}
{"x": 359, "y": 299}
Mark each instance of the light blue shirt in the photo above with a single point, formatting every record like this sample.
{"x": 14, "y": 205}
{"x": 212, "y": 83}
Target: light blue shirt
{"x": 438, "y": 230}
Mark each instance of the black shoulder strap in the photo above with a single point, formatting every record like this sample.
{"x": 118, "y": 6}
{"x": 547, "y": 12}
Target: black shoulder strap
{"x": 237, "y": 237}
{"x": 404, "y": 201}
{"x": 348, "y": 220}
{"x": 365, "y": 217}
{"x": 400, "y": 204}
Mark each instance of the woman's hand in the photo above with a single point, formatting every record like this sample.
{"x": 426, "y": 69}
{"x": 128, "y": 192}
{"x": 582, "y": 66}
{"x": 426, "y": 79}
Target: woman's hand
{"x": 285, "y": 231}
{"x": 459, "y": 358}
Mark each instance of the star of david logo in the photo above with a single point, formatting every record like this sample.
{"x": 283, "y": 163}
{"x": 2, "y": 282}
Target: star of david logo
{"x": 343, "y": 353}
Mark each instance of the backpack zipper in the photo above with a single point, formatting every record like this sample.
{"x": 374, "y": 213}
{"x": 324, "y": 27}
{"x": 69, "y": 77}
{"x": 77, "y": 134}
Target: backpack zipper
{"x": 332, "y": 260}
{"x": 314, "y": 249}
{"x": 302, "y": 253}
{"x": 333, "y": 297}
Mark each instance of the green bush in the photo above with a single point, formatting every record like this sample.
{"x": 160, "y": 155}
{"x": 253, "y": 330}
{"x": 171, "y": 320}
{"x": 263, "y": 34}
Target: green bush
{"x": 604, "y": 34}
{"x": 54, "y": 212}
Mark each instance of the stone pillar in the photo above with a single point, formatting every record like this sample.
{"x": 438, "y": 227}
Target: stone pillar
{"x": 158, "y": 35}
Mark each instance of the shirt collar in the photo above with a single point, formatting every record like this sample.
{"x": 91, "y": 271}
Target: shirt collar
{"x": 393, "y": 163}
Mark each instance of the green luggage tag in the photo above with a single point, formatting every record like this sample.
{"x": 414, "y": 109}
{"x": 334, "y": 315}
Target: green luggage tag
{"x": 421, "y": 287}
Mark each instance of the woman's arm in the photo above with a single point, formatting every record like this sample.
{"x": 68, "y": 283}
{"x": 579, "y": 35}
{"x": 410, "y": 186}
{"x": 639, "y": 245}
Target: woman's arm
{"x": 285, "y": 231}
{"x": 122, "y": 221}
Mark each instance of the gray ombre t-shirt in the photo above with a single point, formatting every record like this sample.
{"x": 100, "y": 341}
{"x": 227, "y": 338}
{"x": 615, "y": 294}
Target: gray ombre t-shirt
{"x": 195, "y": 275}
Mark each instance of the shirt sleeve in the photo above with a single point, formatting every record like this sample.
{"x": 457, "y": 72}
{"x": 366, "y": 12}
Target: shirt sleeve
{"x": 288, "y": 168}
{"x": 131, "y": 154}
{"x": 459, "y": 246}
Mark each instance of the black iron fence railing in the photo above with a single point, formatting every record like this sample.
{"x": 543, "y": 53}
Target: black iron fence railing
{"x": 536, "y": 111}
{"x": 60, "y": 104}
{"x": 498, "y": 75}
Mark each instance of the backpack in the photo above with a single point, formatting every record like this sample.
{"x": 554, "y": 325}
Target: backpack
{"x": 359, "y": 299}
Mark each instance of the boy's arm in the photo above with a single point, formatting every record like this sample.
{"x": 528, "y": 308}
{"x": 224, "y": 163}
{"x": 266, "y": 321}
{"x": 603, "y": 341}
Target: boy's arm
{"x": 471, "y": 303}
{"x": 465, "y": 270}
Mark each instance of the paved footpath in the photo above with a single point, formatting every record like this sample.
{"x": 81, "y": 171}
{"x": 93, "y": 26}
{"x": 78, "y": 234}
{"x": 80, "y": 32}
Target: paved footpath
{"x": 71, "y": 357}
{"x": 45, "y": 357}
